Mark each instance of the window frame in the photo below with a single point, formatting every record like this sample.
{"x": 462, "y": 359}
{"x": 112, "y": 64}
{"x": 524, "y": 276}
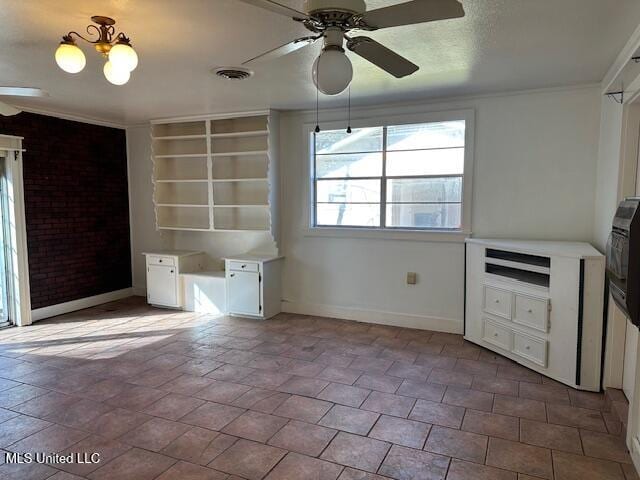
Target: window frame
{"x": 406, "y": 233}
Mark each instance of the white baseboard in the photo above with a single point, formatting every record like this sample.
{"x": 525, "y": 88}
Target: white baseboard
{"x": 62, "y": 308}
{"x": 438, "y": 324}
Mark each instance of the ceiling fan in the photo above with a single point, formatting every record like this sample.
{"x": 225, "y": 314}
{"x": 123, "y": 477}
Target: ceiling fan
{"x": 8, "y": 110}
{"x": 333, "y": 20}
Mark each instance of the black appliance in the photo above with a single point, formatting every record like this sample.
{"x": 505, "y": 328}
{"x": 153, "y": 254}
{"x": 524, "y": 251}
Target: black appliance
{"x": 623, "y": 258}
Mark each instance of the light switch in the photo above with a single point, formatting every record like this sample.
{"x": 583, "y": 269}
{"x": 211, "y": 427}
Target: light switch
{"x": 412, "y": 278}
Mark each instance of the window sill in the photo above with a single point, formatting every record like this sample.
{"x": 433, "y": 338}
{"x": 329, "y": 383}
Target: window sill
{"x": 445, "y": 236}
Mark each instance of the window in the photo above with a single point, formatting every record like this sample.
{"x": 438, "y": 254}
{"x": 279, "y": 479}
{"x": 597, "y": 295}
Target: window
{"x": 408, "y": 176}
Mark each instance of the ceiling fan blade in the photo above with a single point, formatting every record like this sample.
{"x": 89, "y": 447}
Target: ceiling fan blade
{"x": 22, "y": 92}
{"x": 8, "y": 110}
{"x": 381, "y": 56}
{"x": 283, "y": 49}
{"x": 278, "y": 7}
{"x": 409, "y": 13}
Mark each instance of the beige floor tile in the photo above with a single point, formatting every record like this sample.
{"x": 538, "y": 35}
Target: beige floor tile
{"x": 410, "y": 464}
{"x": 303, "y": 438}
{"x": 574, "y": 467}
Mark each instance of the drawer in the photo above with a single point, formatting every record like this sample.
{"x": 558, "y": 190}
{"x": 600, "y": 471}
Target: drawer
{"x": 497, "y": 302}
{"x": 498, "y": 335}
{"x": 161, "y": 260}
{"x": 531, "y": 348}
{"x": 243, "y": 266}
{"x": 531, "y": 311}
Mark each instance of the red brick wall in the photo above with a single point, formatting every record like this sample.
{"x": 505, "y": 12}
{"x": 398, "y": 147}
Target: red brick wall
{"x": 77, "y": 207}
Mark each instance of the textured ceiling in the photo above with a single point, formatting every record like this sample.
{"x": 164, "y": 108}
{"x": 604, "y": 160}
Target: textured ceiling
{"x": 500, "y": 45}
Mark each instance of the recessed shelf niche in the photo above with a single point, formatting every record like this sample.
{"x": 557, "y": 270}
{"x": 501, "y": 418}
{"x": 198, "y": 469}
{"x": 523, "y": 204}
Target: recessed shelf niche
{"x": 216, "y": 173}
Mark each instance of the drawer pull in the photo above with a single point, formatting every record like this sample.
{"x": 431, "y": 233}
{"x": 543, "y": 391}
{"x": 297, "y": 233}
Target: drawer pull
{"x": 497, "y": 301}
{"x": 244, "y": 266}
{"x": 232, "y": 275}
{"x": 495, "y": 334}
{"x": 530, "y": 310}
{"x": 528, "y": 347}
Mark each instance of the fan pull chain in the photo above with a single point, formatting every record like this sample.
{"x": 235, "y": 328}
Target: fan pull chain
{"x": 349, "y": 112}
{"x": 317, "y": 130}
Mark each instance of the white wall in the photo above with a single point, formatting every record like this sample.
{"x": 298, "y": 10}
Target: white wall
{"x": 145, "y": 237}
{"x": 608, "y": 170}
{"x": 535, "y": 176}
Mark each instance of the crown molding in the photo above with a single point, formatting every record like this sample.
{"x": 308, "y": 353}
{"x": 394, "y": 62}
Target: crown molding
{"x": 71, "y": 116}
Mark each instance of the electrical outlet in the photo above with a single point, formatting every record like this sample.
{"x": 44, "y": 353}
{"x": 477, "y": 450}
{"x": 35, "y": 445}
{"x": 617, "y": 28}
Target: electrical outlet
{"x": 412, "y": 278}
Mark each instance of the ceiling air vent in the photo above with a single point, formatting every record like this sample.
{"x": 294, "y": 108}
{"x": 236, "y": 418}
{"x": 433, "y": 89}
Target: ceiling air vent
{"x": 233, "y": 73}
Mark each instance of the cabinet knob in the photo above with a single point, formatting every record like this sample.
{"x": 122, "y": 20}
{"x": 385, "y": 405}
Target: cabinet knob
{"x": 243, "y": 266}
{"x": 171, "y": 271}
{"x": 495, "y": 334}
{"x": 497, "y": 301}
{"x": 160, "y": 261}
{"x": 528, "y": 347}
{"x": 530, "y": 310}
{"x": 232, "y": 275}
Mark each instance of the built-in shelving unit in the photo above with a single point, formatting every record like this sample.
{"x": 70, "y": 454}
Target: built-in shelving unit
{"x": 216, "y": 173}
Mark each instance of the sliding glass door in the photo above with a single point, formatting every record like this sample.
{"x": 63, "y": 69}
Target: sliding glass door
{"x": 5, "y": 248}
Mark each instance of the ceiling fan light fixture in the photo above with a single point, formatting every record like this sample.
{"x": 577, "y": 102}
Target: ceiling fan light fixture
{"x": 332, "y": 71}
{"x": 116, "y": 74}
{"x": 122, "y": 55}
{"x": 69, "y": 57}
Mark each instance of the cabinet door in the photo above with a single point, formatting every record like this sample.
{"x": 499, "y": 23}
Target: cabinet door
{"x": 244, "y": 293}
{"x": 162, "y": 285}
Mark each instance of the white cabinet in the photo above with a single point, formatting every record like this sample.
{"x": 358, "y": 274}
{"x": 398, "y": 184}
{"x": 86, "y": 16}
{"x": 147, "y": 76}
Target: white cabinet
{"x": 162, "y": 285}
{"x": 244, "y": 293}
{"x": 164, "y": 281}
{"x": 539, "y": 304}
{"x": 254, "y": 285}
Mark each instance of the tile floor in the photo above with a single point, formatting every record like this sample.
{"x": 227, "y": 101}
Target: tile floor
{"x": 179, "y": 396}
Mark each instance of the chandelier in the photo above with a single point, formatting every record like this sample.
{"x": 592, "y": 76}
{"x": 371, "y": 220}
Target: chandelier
{"x": 122, "y": 59}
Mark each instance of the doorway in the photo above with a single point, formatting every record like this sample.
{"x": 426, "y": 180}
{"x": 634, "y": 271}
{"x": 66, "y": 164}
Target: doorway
{"x": 6, "y": 276}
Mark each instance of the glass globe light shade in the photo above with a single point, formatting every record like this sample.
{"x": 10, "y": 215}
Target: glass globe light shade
{"x": 123, "y": 56}
{"x": 70, "y": 58}
{"x": 116, "y": 75}
{"x": 332, "y": 72}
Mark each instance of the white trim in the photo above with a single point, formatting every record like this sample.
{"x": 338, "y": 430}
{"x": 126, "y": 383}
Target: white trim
{"x": 210, "y": 116}
{"x": 360, "y": 120}
{"x": 435, "y": 102}
{"x": 373, "y": 104}
{"x": 21, "y": 308}
{"x": 72, "y": 117}
{"x": 131, "y": 241}
{"x": 72, "y": 306}
{"x": 378, "y": 317}
{"x": 435, "y": 236}
{"x": 621, "y": 60}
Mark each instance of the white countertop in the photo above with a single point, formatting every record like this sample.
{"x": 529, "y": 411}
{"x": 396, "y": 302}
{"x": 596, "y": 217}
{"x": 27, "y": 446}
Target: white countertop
{"x": 254, "y": 257}
{"x": 540, "y": 247}
{"x": 172, "y": 253}
{"x": 208, "y": 274}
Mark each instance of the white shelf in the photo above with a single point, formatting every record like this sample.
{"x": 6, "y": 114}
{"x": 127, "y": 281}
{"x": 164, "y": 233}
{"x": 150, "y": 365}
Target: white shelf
{"x": 183, "y": 155}
{"x": 214, "y": 174}
{"x": 240, "y": 154}
{"x": 177, "y": 180}
{"x": 185, "y": 229}
{"x": 254, "y": 133}
{"x": 239, "y": 206}
{"x": 222, "y": 180}
{"x": 179, "y": 137}
{"x": 236, "y": 230}
{"x": 182, "y": 205}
